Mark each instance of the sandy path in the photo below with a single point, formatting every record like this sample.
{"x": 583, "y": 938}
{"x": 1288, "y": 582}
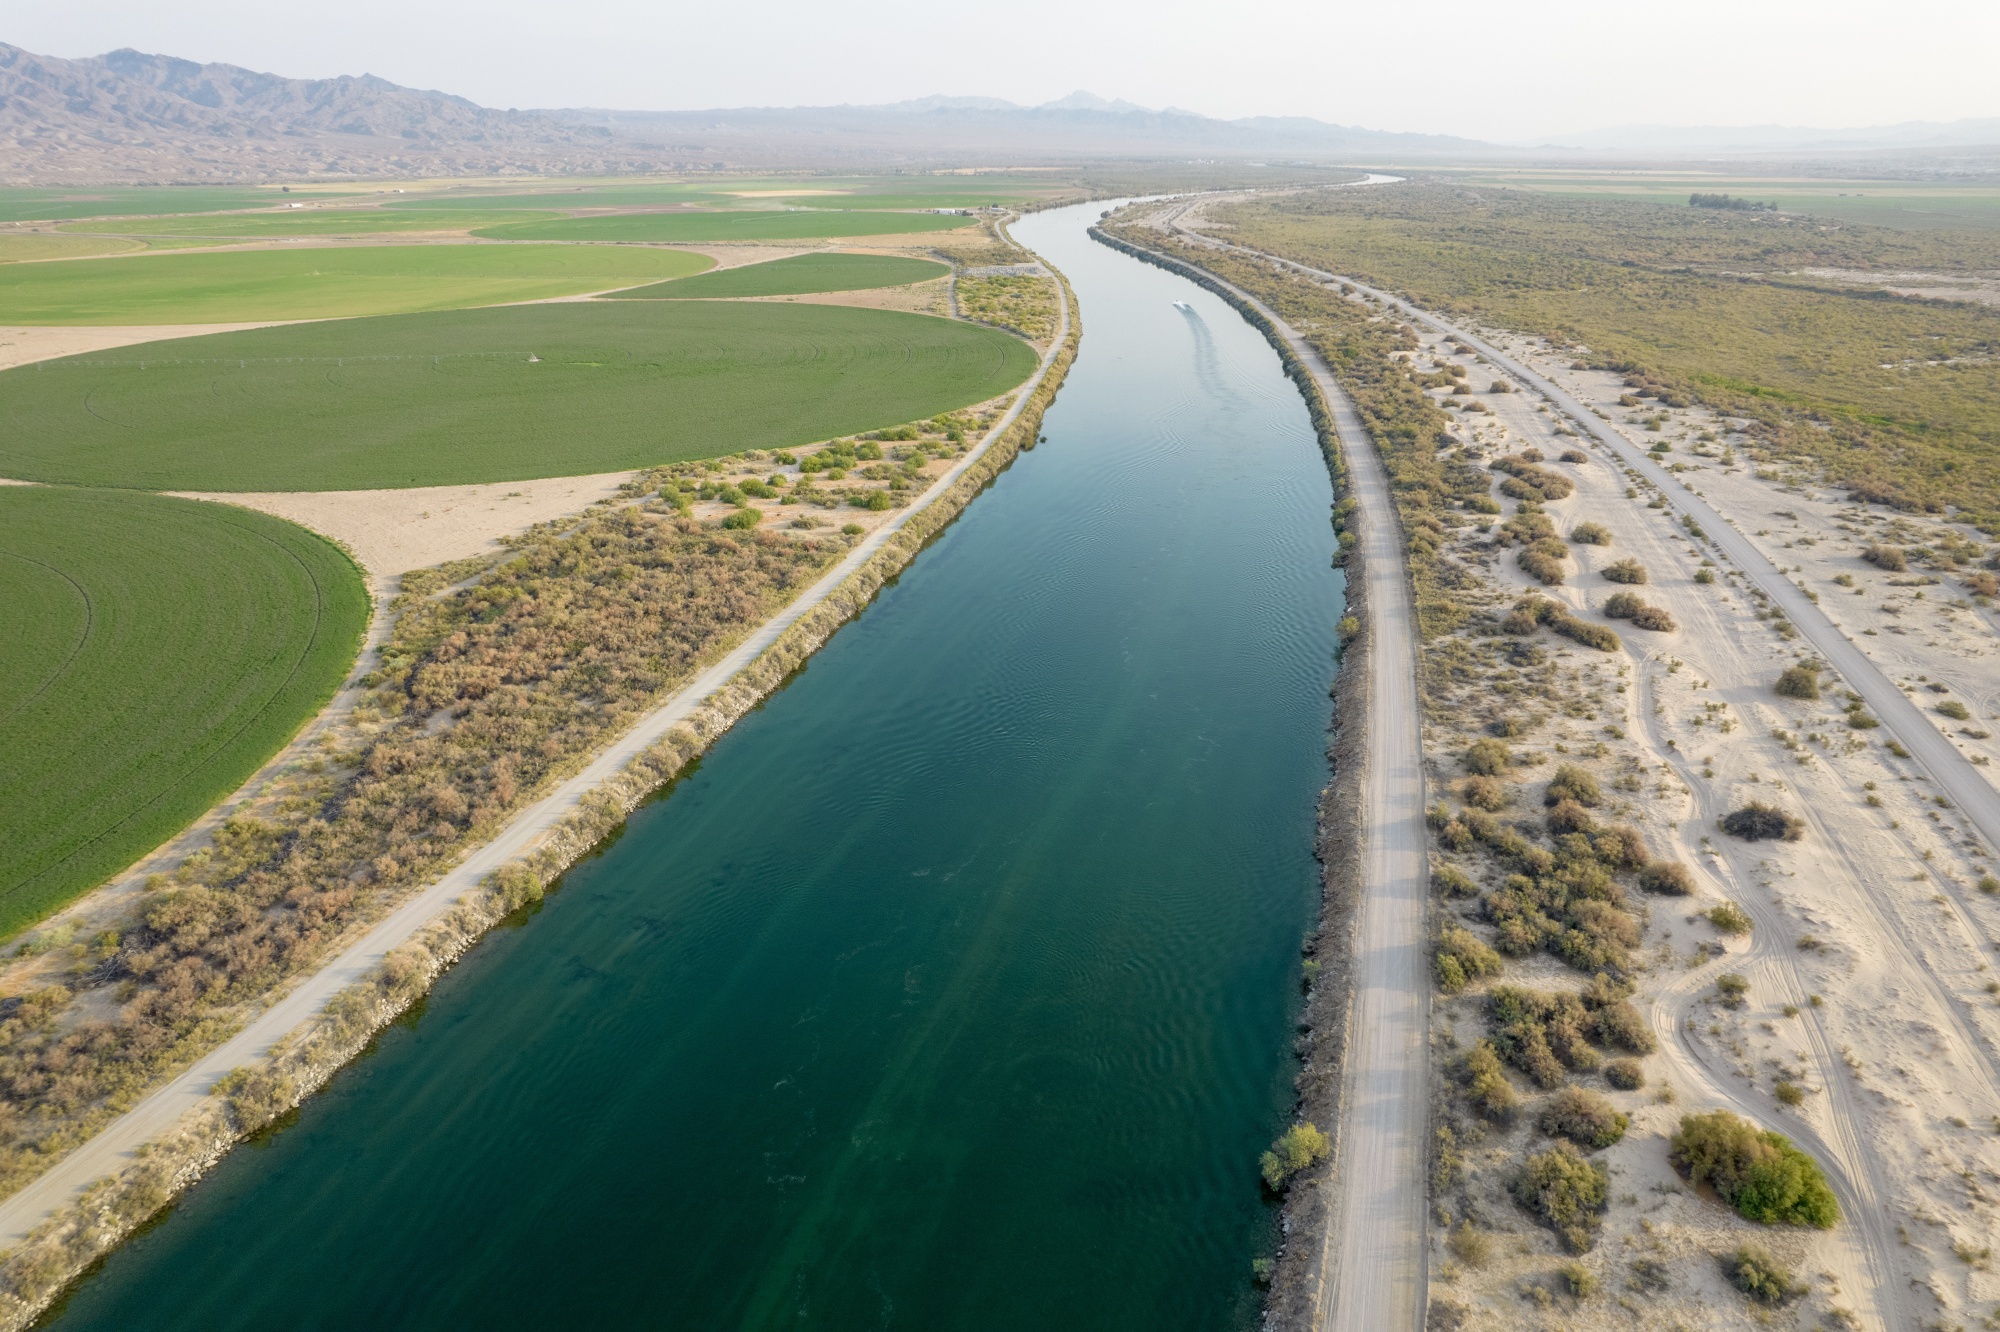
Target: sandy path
{"x": 25, "y": 346}
{"x": 115, "y": 1147}
{"x": 1373, "y": 1263}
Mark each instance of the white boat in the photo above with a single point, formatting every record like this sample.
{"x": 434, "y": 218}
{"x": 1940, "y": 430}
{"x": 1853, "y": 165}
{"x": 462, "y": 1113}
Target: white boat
{"x": 1183, "y": 307}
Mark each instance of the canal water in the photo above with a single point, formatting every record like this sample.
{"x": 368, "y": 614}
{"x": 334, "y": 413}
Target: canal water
{"x": 954, "y": 989}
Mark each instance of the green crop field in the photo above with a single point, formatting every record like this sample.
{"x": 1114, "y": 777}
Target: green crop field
{"x": 309, "y": 221}
{"x": 33, "y": 204}
{"x": 21, "y": 247}
{"x": 798, "y": 275}
{"x": 320, "y": 283}
{"x": 157, "y": 652}
{"x": 743, "y": 226}
{"x": 500, "y": 394}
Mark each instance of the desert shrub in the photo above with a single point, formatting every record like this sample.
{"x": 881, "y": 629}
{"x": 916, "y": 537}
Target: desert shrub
{"x": 1520, "y": 623}
{"x": 1953, "y": 709}
{"x": 1625, "y": 571}
{"x": 743, "y": 519}
{"x": 1623, "y": 847}
{"x": 1733, "y": 987}
{"x": 1574, "y": 456}
{"x": 1619, "y": 1025}
{"x": 1510, "y": 726}
{"x": 1485, "y": 793}
{"x": 1453, "y": 835}
{"x": 1578, "y": 1280}
{"x": 1584, "y": 1117}
{"x": 1760, "y": 1276}
{"x": 1759, "y": 1173}
{"x": 1453, "y": 882}
{"x": 1800, "y": 681}
{"x": 1539, "y": 1033}
{"x": 1300, "y": 1146}
{"x": 1887, "y": 558}
{"x": 1584, "y": 632}
{"x": 1623, "y": 605}
{"x": 1566, "y": 1192}
{"x": 1759, "y": 822}
{"x": 1704, "y": 576}
{"x": 1491, "y": 1096}
{"x": 1625, "y": 1074}
{"x": 1573, "y": 783}
{"x": 1667, "y": 876}
{"x": 1458, "y": 957}
{"x": 1470, "y": 1246}
{"x": 1526, "y": 481}
{"x": 1982, "y": 585}
{"x": 1590, "y": 534}
{"x": 1729, "y": 918}
{"x": 1445, "y": 1314}
{"x": 1543, "y": 562}
{"x": 1654, "y": 618}
{"x": 1569, "y": 817}
{"x": 1487, "y": 757}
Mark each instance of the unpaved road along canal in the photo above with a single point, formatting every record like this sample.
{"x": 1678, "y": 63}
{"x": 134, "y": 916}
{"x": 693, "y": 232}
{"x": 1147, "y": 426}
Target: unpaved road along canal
{"x": 954, "y": 988}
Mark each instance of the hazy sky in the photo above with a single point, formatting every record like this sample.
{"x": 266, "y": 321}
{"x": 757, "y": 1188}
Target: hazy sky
{"x": 1510, "y": 70}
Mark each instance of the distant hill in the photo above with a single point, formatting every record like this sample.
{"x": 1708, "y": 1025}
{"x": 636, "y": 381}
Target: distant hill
{"x": 133, "y": 116}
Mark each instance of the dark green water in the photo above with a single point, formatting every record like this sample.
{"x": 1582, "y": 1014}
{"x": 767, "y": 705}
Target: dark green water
{"x": 953, "y": 990}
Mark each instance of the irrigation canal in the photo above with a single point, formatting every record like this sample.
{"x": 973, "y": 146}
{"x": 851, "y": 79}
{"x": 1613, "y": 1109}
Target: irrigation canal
{"x": 954, "y": 989}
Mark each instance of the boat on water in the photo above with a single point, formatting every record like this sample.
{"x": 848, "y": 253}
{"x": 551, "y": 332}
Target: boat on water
{"x": 1183, "y": 307}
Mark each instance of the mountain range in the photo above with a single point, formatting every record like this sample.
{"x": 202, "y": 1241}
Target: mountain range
{"x": 130, "y": 116}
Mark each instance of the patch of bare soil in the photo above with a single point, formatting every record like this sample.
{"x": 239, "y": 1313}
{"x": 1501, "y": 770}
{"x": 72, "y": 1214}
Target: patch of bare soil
{"x": 393, "y": 531}
{"x": 25, "y": 346}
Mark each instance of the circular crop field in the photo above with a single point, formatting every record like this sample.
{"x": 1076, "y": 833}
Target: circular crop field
{"x": 157, "y": 652}
{"x": 797, "y": 276}
{"x": 498, "y": 394}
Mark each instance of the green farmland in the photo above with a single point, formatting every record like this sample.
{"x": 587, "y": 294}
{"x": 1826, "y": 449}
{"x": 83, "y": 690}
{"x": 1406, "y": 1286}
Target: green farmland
{"x": 799, "y": 275}
{"x": 501, "y": 394}
{"x": 743, "y": 226}
{"x": 320, "y": 283}
{"x": 305, "y": 222}
{"x": 158, "y": 651}
{"x": 41, "y": 204}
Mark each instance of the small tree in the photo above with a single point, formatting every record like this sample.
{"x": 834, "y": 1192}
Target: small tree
{"x": 1487, "y": 757}
{"x": 1301, "y": 1146}
{"x": 1760, "y": 1174}
{"x": 1759, "y": 822}
{"x": 1566, "y": 1191}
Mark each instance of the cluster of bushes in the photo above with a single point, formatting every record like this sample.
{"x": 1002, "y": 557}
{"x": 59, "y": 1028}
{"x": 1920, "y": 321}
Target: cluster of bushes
{"x": 1548, "y": 1036}
{"x": 1298, "y": 1148}
{"x": 1630, "y": 606}
{"x": 483, "y": 695}
{"x": 1887, "y": 558}
{"x": 1583, "y": 1117}
{"x": 1538, "y": 611}
{"x": 1567, "y": 1191}
{"x": 1760, "y": 1276}
{"x": 1526, "y": 481}
{"x": 1590, "y": 534}
{"x": 1759, "y": 1173}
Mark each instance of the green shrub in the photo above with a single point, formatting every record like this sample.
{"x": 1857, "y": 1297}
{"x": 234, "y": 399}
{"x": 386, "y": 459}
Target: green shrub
{"x": 1584, "y": 1117}
{"x": 1759, "y": 1173}
{"x": 1654, "y": 618}
{"x": 1543, "y": 562}
{"x": 1789, "y": 1093}
{"x": 1625, "y": 1074}
{"x": 1486, "y": 1087}
{"x": 1487, "y": 757}
{"x": 1573, "y": 783}
{"x": 1623, "y": 605}
{"x": 1569, "y": 817}
{"x": 1578, "y": 1280}
{"x": 743, "y": 519}
{"x": 1667, "y": 876}
{"x": 1453, "y": 882}
{"x": 1887, "y": 558}
{"x": 1759, "y": 822}
{"x": 1541, "y": 1034}
{"x": 1622, "y": 847}
{"x": 1472, "y": 1247}
{"x": 1586, "y": 633}
{"x": 1301, "y": 1146}
{"x": 1729, "y": 918}
{"x": 852, "y": 529}
{"x": 1487, "y": 793}
{"x": 1760, "y": 1276}
{"x": 1625, "y": 571}
{"x": 1590, "y": 534}
{"x": 1801, "y": 681}
{"x": 1567, "y": 1192}
{"x": 1953, "y": 709}
{"x": 1458, "y": 957}
{"x": 1733, "y": 987}
{"x": 1704, "y": 576}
